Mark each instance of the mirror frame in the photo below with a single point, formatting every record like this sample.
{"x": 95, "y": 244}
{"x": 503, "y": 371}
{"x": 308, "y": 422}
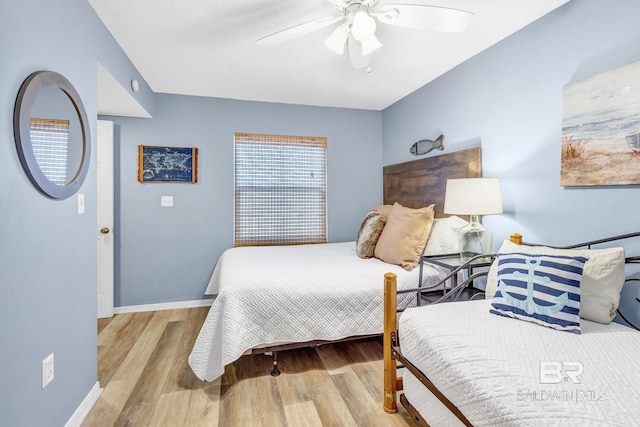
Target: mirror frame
{"x": 29, "y": 91}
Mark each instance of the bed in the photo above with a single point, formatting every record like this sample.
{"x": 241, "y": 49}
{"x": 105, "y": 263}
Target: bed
{"x": 270, "y": 299}
{"x": 466, "y": 365}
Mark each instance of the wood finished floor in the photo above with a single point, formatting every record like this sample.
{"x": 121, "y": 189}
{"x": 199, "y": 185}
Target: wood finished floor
{"x": 143, "y": 369}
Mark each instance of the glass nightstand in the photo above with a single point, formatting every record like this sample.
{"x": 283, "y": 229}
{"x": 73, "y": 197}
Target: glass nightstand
{"x": 460, "y": 277}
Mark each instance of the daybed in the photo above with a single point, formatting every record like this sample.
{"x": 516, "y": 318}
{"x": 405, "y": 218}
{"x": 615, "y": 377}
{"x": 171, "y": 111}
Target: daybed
{"x": 276, "y": 298}
{"x": 467, "y": 363}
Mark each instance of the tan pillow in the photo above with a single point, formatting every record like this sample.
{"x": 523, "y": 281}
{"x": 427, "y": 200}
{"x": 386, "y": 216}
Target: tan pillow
{"x": 385, "y": 210}
{"x": 369, "y": 233}
{"x": 404, "y": 236}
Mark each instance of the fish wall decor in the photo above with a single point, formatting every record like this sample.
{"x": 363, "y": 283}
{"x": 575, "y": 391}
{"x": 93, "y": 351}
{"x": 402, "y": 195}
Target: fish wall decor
{"x": 425, "y": 145}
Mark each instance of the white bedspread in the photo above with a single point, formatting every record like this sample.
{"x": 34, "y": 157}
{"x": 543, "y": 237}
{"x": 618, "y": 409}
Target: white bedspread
{"x": 283, "y": 294}
{"x": 490, "y": 367}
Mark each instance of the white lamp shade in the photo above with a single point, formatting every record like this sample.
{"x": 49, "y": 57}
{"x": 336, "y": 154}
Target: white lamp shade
{"x": 370, "y": 44}
{"x": 337, "y": 39}
{"x": 473, "y": 196}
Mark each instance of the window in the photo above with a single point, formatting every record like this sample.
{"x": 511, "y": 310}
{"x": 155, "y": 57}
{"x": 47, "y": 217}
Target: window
{"x": 280, "y": 190}
{"x": 49, "y": 139}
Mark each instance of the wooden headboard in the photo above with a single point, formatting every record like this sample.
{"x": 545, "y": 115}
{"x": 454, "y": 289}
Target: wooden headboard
{"x": 422, "y": 182}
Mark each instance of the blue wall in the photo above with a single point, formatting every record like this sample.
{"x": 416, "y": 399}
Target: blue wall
{"x": 168, "y": 254}
{"x": 509, "y": 100}
{"x": 48, "y": 251}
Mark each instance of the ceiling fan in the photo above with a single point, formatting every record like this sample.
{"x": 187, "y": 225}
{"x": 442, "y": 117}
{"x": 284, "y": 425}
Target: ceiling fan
{"x": 357, "y": 25}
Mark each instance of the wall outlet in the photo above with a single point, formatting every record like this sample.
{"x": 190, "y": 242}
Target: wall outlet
{"x": 47, "y": 370}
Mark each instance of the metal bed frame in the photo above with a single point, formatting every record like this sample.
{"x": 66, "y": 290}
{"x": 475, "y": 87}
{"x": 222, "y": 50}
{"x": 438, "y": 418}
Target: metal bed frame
{"x": 393, "y": 358}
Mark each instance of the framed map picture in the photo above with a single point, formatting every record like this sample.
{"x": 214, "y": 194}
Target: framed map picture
{"x": 167, "y": 164}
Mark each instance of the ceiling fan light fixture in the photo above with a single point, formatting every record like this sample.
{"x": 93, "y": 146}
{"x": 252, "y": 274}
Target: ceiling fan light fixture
{"x": 370, "y": 44}
{"x": 364, "y": 26}
{"x": 337, "y": 40}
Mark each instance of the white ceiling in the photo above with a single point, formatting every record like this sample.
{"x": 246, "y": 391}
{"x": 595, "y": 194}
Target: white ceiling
{"x": 114, "y": 100}
{"x": 207, "y": 48}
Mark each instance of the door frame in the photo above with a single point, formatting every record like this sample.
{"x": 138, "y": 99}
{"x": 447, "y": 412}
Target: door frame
{"x": 105, "y": 217}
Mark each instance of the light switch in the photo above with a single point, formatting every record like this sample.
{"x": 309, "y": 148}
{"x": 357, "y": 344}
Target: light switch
{"x": 80, "y": 203}
{"x": 166, "y": 201}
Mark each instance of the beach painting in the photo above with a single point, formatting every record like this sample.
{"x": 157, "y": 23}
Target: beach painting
{"x": 601, "y": 129}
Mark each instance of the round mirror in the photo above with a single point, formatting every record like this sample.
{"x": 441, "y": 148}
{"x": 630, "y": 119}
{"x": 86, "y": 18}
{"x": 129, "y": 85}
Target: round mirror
{"x": 52, "y": 134}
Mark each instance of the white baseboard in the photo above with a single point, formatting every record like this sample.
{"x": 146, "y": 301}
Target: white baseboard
{"x": 163, "y": 306}
{"x": 83, "y": 410}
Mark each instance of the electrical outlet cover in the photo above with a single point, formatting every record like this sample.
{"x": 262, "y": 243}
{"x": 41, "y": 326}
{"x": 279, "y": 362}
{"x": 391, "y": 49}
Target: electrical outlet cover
{"x": 47, "y": 370}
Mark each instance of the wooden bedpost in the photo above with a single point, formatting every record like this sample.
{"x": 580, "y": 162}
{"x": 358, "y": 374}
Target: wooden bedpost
{"x": 516, "y": 238}
{"x": 390, "y": 327}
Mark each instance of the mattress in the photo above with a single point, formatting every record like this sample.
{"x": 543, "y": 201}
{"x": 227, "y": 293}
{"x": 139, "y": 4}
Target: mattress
{"x": 426, "y": 403}
{"x": 508, "y": 372}
{"x": 291, "y": 294}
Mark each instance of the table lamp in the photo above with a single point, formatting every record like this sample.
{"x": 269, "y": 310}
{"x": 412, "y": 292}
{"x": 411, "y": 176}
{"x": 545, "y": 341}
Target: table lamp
{"x": 473, "y": 197}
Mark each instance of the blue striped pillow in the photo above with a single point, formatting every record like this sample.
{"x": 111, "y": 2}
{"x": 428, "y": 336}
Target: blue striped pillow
{"x": 543, "y": 289}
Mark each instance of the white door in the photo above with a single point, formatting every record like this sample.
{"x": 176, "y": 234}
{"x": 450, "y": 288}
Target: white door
{"x": 105, "y": 218}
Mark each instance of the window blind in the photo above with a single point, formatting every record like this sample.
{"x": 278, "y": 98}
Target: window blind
{"x": 49, "y": 139}
{"x": 280, "y": 190}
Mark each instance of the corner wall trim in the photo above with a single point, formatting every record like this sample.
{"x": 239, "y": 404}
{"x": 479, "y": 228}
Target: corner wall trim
{"x": 83, "y": 410}
{"x": 163, "y": 306}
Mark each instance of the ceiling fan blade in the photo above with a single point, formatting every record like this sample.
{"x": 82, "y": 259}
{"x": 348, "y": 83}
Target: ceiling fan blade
{"x": 341, "y": 4}
{"x": 424, "y": 17}
{"x": 358, "y": 60}
{"x": 298, "y": 30}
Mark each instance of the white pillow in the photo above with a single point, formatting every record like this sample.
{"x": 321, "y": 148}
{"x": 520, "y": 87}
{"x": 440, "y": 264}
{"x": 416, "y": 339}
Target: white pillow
{"x": 602, "y": 278}
{"x": 444, "y": 236}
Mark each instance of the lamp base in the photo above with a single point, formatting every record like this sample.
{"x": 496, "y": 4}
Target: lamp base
{"x": 474, "y": 239}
